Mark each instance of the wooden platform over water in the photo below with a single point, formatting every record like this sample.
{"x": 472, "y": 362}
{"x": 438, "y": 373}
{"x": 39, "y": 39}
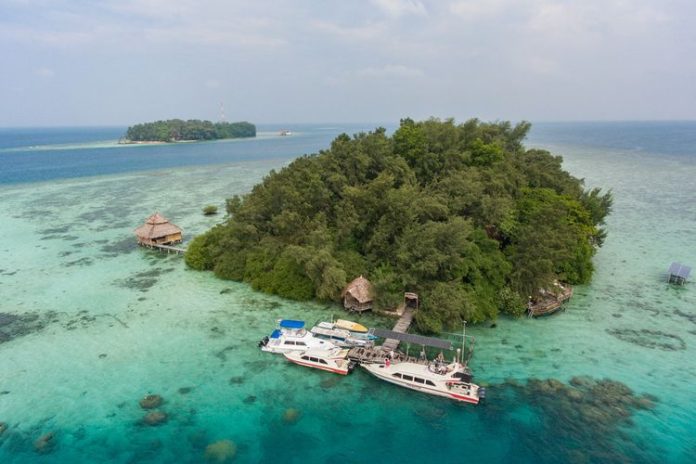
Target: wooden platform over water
{"x": 378, "y": 353}
{"x": 402, "y": 326}
{"x": 551, "y": 303}
{"x": 167, "y": 248}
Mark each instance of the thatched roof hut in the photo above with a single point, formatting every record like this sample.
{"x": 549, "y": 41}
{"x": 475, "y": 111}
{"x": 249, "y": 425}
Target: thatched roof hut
{"x": 358, "y": 295}
{"x": 157, "y": 230}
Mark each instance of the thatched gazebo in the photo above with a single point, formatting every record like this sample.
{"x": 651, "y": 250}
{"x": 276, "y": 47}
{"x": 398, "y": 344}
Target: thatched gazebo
{"x": 358, "y": 295}
{"x": 157, "y": 230}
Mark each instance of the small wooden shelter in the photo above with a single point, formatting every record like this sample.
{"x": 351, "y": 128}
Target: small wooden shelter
{"x": 157, "y": 230}
{"x": 358, "y": 295}
{"x": 549, "y": 301}
{"x": 411, "y": 300}
{"x": 678, "y": 273}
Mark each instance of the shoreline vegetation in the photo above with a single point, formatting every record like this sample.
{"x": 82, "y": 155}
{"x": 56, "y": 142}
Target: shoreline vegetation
{"x": 180, "y": 131}
{"x": 462, "y": 214}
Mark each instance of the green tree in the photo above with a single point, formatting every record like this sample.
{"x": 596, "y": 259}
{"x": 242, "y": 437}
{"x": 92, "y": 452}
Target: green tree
{"x": 463, "y": 214}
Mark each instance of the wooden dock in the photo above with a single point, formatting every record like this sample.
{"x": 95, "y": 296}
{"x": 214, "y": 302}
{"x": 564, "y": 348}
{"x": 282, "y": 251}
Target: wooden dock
{"x": 167, "y": 248}
{"x": 402, "y": 325}
{"x": 551, "y": 303}
{"x": 388, "y": 348}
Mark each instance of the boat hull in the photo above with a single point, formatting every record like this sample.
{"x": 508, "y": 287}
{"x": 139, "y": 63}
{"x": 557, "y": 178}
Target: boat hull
{"x": 335, "y": 370}
{"x": 334, "y": 360}
{"x": 440, "y": 389}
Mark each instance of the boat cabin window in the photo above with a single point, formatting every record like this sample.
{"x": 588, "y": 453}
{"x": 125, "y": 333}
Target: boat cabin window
{"x": 417, "y": 380}
{"x": 429, "y": 382}
{"x": 288, "y": 342}
{"x": 408, "y": 377}
{"x": 313, "y": 359}
{"x": 301, "y": 344}
{"x": 306, "y": 358}
{"x": 321, "y": 361}
{"x": 397, "y": 375}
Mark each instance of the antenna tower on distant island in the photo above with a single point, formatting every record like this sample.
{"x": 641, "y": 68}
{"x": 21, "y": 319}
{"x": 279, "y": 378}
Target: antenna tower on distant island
{"x": 222, "y": 112}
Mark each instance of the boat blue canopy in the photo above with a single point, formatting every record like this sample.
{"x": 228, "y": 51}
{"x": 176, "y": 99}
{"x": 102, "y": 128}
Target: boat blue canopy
{"x": 291, "y": 324}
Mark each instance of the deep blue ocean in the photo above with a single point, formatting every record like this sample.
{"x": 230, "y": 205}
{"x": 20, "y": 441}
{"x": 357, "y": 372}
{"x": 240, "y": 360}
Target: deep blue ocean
{"x": 90, "y": 323}
{"x": 40, "y": 154}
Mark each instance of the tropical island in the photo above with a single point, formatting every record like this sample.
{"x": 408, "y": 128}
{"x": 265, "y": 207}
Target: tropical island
{"x": 463, "y": 214}
{"x": 178, "y": 130}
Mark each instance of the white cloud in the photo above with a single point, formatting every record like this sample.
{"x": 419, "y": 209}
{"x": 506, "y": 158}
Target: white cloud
{"x": 212, "y": 34}
{"x": 365, "y": 32}
{"x": 47, "y": 73}
{"x": 56, "y": 38}
{"x": 472, "y": 10}
{"x": 389, "y": 71}
{"x": 401, "y": 7}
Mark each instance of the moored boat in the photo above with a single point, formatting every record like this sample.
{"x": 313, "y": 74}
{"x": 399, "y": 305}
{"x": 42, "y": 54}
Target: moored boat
{"x": 342, "y": 337}
{"x": 333, "y": 360}
{"x": 437, "y": 377}
{"x": 290, "y": 335}
{"x": 350, "y": 326}
{"x": 451, "y": 381}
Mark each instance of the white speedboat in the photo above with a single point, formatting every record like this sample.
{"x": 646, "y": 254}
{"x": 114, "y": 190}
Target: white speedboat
{"x": 437, "y": 378}
{"x": 341, "y": 337}
{"x": 290, "y": 335}
{"x": 334, "y": 360}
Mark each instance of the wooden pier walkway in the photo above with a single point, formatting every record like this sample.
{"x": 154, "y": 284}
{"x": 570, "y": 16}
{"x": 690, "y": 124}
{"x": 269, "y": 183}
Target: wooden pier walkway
{"x": 167, "y": 248}
{"x": 388, "y": 350}
{"x": 402, "y": 325}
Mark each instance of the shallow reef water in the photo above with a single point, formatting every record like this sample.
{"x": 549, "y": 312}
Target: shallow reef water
{"x": 90, "y": 325}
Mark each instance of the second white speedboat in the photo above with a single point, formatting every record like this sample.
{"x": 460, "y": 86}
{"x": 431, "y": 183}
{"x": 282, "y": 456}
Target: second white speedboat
{"x": 334, "y": 360}
{"x": 292, "y": 336}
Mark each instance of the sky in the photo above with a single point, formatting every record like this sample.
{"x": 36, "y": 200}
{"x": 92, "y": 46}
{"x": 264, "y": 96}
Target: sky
{"x": 121, "y": 62}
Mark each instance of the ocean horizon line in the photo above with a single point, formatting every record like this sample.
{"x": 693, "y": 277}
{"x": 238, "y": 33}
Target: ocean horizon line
{"x": 375, "y": 123}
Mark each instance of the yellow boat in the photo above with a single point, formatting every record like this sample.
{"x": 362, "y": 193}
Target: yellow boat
{"x": 349, "y": 325}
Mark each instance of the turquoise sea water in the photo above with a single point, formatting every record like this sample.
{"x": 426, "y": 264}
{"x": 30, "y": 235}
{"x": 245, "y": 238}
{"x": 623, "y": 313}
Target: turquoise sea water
{"x": 91, "y": 323}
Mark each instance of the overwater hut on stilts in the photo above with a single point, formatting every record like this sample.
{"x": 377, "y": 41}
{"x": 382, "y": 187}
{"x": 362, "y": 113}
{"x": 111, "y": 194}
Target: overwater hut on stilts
{"x": 158, "y": 231}
{"x": 678, "y": 273}
{"x": 549, "y": 301}
{"x": 358, "y": 295}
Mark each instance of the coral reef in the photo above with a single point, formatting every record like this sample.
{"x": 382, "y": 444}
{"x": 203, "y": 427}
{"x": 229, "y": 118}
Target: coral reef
{"x": 144, "y": 280}
{"x": 18, "y": 325}
{"x": 220, "y": 451}
{"x": 151, "y": 401}
{"x": 45, "y": 443}
{"x": 586, "y": 418}
{"x": 291, "y": 416}
{"x": 650, "y": 338}
{"x": 155, "y": 418}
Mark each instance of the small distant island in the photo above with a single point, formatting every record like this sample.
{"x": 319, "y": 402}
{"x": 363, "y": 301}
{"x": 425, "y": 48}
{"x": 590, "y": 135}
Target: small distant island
{"x": 178, "y": 130}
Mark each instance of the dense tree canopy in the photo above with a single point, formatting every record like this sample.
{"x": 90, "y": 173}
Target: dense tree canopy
{"x": 463, "y": 214}
{"x": 174, "y": 130}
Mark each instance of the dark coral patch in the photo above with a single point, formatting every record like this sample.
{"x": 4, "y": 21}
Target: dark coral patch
{"x": 18, "y": 325}
{"x": 653, "y": 339}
